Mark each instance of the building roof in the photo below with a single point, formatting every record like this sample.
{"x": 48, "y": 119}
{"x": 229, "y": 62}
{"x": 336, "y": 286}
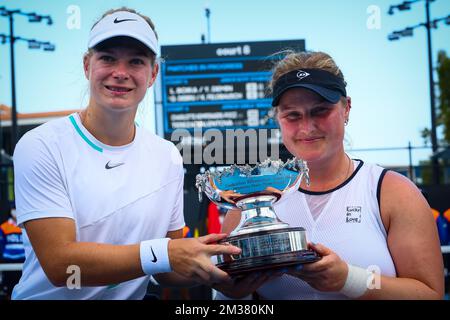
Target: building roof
{"x": 31, "y": 118}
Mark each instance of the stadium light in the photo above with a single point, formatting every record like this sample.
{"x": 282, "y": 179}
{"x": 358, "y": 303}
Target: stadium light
{"x": 33, "y": 17}
{"x": 32, "y": 44}
{"x": 48, "y": 46}
{"x": 3, "y": 12}
{"x": 391, "y": 10}
{"x": 408, "y": 32}
{"x": 404, "y": 6}
{"x": 393, "y": 37}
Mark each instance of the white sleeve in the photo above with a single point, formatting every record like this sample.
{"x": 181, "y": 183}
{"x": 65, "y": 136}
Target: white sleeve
{"x": 38, "y": 184}
{"x": 177, "y": 218}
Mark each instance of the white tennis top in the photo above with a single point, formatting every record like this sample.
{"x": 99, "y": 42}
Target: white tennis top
{"x": 349, "y": 223}
{"x": 115, "y": 195}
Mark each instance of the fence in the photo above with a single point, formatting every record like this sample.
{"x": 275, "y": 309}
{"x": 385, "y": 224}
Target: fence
{"x": 420, "y": 174}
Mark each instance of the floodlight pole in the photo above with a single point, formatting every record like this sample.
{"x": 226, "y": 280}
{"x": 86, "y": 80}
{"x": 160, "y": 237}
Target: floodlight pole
{"x": 14, "y": 134}
{"x": 33, "y": 17}
{"x": 208, "y": 14}
{"x": 395, "y": 36}
{"x": 434, "y": 144}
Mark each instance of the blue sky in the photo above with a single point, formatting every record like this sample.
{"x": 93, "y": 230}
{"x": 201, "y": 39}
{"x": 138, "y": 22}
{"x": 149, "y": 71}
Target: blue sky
{"x": 388, "y": 81}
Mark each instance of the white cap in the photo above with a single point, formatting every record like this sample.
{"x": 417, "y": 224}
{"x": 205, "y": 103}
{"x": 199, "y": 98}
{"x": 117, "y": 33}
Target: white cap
{"x": 124, "y": 23}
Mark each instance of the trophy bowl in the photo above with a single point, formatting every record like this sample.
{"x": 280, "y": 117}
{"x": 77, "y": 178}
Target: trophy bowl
{"x": 266, "y": 242}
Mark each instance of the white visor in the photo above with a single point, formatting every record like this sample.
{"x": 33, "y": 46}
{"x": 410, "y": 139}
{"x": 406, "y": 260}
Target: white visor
{"x": 123, "y": 23}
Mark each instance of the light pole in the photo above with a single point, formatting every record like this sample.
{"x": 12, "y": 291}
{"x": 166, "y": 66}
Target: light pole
{"x": 408, "y": 32}
{"x": 208, "y": 25}
{"x": 32, "y": 17}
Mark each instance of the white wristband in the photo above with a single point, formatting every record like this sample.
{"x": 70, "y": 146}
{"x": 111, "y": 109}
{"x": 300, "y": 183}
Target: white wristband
{"x": 154, "y": 256}
{"x": 357, "y": 282}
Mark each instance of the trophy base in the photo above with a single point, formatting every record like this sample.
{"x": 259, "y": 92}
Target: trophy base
{"x": 240, "y": 267}
{"x": 268, "y": 249}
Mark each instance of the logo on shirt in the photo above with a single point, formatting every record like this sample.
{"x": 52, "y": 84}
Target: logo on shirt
{"x": 110, "y": 165}
{"x": 154, "y": 257}
{"x": 353, "y": 214}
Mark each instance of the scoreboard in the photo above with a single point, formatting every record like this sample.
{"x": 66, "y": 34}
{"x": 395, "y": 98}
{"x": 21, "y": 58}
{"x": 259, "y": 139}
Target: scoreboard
{"x": 220, "y": 85}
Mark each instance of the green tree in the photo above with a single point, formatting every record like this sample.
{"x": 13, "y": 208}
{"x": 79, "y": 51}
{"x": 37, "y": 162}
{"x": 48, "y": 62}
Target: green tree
{"x": 443, "y": 71}
{"x": 442, "y": 119}
{"x": 443, "y": 109}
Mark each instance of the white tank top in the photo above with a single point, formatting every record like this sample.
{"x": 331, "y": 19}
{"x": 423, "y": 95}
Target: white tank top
{"x": 349, "y": 224}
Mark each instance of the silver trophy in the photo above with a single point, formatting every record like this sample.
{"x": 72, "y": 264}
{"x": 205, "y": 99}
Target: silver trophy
{"x": 265, "y": 241}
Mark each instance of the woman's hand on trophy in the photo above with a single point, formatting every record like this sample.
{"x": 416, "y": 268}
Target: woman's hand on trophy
{"x": 229, "y": 196}
{"x": 274, "y": 190}
{"x": 327, "y": 274}
{"x": 191, "y": 257}
{"x": 243, "y": 286}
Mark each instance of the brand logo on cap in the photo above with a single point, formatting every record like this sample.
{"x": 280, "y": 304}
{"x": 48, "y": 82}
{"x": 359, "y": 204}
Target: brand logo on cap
{"x": 123, "y": 20}
{"x": 302, "y": 74}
